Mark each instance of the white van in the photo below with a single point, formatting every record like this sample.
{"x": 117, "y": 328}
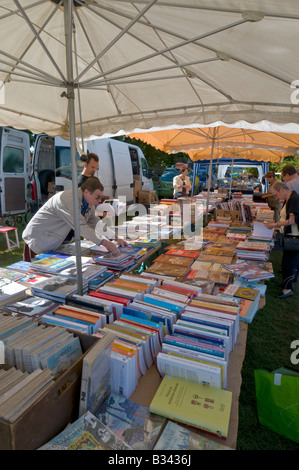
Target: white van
{"x": 14, "y": 172}
{"x": 122, "y": 167}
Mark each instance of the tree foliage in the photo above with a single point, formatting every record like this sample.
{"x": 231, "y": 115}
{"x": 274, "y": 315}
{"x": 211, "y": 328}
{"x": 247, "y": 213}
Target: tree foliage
{"x": 157, "y": 159}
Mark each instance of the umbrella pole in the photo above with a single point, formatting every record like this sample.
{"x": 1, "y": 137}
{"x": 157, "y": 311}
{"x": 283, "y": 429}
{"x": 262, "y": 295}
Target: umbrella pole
{"x": 71, "y": 108}
{"x": 231, "y": 177}
{"x": 210, "y": 173}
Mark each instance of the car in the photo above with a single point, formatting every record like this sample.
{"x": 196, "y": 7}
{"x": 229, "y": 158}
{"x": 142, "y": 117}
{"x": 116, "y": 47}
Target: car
{"x": 165, "y": 183}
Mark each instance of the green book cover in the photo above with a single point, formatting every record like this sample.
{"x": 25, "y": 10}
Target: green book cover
{"x": 201, "y": 406}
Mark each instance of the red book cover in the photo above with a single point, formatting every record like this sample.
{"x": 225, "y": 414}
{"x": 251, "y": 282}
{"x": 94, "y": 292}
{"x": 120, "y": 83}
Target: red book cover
{"x": 112, "y": 298}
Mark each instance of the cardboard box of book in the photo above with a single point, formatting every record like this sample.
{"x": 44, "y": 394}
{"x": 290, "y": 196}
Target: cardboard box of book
{"x": 147, "y": 197}
{"x": 235, "y": 215}
{"x": 51, "y": 412}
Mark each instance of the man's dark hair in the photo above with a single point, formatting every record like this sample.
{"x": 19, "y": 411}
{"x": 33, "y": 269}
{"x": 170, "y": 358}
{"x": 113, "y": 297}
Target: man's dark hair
{"x": 288, "y": 170}
{"x": 88, "y": 157}
{"x": 92, "y": 184}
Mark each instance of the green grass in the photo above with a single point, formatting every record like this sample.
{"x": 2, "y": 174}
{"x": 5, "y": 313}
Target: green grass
{"x": 268, "y": 347}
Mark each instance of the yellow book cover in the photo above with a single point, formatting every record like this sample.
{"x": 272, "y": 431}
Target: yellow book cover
{"x": 204, "y": 407}
{"x": 213, "y": 305}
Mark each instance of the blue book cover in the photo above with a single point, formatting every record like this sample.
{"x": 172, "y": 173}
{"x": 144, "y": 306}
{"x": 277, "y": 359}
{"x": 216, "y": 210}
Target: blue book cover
{"x": 131, "y": 421}
{"x": 205, "y": 322}
{"x": 203, "y": 348}
{"x": 63, "y": 356}
{"x": 141, "y": 321}
{"x": 75, "y": 325}
{"x": 23, "y": 266}
{"x": 148, "y": 316}
{"x": 202, "y": 338}
{"x": 163, "y": 303}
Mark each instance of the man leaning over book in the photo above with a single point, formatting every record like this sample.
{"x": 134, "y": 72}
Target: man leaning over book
{"x": 53, "y": 224}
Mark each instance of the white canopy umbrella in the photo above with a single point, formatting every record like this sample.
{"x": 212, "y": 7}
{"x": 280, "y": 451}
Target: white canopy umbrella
{"x": 82, "y": 67}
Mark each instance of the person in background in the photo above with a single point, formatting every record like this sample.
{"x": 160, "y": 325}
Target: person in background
{"x": 52, "y": 224}
{"x": 181, "y": 184}
{"x": 273, "y": 203}
{"x": 91, "y": 165}
{"x": 288, "y": 224}
{"x": 290, "y": 176}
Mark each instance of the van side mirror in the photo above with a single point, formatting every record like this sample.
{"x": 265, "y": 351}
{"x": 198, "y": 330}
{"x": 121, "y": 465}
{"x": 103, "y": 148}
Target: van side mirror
{"x": 149, "y": 173}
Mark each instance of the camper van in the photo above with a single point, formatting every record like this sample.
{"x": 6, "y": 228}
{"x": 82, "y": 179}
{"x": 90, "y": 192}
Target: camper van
{"x": 14, "y": 172}
{"x": 123, "y": 169}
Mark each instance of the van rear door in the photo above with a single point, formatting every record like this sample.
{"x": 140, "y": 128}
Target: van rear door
{"x": 123, "y": 171}
{"x": 43, "y": 166}
{"x": 14, "y": 171}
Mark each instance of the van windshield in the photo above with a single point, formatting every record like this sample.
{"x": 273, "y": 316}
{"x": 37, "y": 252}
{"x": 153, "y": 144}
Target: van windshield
{"x": 63, "y": 162}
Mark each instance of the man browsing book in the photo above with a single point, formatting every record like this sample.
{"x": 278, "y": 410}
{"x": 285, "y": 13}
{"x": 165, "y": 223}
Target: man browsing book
{"x": 53, "y": 224}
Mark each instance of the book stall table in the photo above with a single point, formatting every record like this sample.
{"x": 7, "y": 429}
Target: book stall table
{"x": 148, "y": 384}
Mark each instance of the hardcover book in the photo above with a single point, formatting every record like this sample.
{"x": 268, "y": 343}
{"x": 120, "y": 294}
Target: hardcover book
{"x": 131, "y": 422}
{"x": 178, "y": 437}
{"x": 86, "y": 433}
{"x": 95, "y": 381}
{"x": 204, "y": 407}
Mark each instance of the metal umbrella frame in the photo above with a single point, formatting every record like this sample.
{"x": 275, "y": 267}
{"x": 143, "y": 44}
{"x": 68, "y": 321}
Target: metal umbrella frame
{"x": 94, "y": 67}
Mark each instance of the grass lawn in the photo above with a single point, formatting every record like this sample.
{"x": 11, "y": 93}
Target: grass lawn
{"x": 269, "y": 338}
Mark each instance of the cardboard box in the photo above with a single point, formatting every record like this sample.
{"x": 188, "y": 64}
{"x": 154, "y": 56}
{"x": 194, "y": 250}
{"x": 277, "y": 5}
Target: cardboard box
{"x": 137, "y": 186}
{"x": 51, "y": 413}
{"x": 235, "y": 215}
{"x": 147, "y": 197}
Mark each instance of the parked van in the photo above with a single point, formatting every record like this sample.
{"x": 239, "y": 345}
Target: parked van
{"x": 123, "y": 169}
{"x": 14, "y": 172}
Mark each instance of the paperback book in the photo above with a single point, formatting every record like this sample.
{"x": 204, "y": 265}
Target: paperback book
{"x": 203, "y": 407}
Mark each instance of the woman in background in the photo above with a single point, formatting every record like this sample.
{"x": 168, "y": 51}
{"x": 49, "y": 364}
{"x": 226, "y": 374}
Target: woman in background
{"x": 181, "y": 184}
{"x": 288, "y": 224}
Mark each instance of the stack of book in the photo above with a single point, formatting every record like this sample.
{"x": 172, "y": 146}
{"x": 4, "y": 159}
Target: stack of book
{"x": 11, "y": 291}
{"x": 10, "y": 274}
{"x": 116, "y": 262}
{"x": 30, "y": 346}
{"x": 75, "y": 318}
{"x": 31, "y": 306}
{"x": 57, "y": 288}
{"x": 70, "y": 248}
{"x": 248, "y": 271}
{"x": 214, "y": 272}
{"x": 264, "y": 215}
{"x": 90, "y": 270}
{"x": 19, "y": 390}
{"x": 252, "y": 250}
{"x": 247, "y": 298}
{"x": 91, "y": 303}
{"x": 51, "y": 264}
